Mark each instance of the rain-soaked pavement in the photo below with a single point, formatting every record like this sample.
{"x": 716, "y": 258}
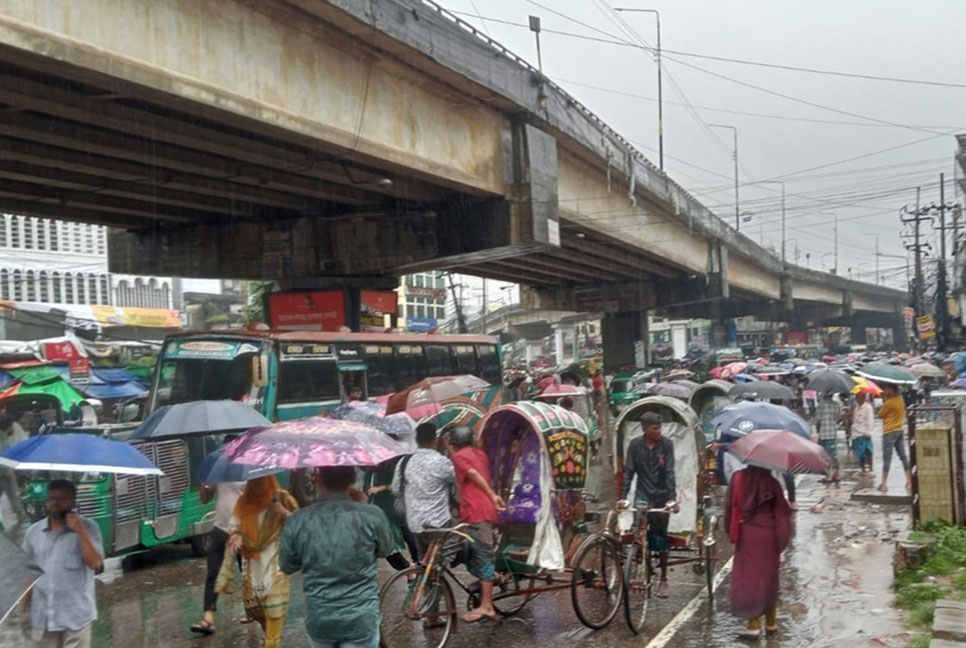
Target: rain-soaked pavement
{"x": 836, "y": 591}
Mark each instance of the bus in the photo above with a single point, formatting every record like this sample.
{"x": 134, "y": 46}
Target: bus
{"x": 293, "y": 374}
{"x": 284, "y": 375}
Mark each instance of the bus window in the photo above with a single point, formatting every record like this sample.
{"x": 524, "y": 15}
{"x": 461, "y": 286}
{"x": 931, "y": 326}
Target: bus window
{"x": 380, "y": 370}
{"x": 465, "y": 358}
{"x": 438, "y": 362}
{"x": 490, "y": 369}
{"x": 190, "y": 379}
{"x": 410, "y": 365}
{"x": 308, "y": 381}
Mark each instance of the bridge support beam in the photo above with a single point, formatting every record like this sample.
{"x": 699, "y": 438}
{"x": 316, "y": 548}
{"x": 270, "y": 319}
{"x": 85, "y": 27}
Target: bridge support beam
{"x": 622, "y": 335}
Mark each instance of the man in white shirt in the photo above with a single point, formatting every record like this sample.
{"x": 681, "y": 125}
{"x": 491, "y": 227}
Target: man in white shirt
{"x": 425, "y": 479}
{"x": 863, "y": 423}
{"x": 226, "y": 494}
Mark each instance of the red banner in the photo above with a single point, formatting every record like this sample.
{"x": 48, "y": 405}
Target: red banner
{"x": 379, "y": 301}
{"x": 65, "y": 350}
{"x": 307, "y": 311}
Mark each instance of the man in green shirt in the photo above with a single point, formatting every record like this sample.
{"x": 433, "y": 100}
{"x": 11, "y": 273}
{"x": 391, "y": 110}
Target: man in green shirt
{"x": 335, "y": 543}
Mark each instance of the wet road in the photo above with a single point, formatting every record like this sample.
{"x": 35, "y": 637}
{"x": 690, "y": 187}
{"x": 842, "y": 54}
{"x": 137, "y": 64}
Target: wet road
{"x": 835, "y": 592}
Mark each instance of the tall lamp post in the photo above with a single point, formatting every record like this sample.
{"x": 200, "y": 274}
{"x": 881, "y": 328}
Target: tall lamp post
{"x": 734, "y": 154}
{"x": 782, "y": 183}
{"x": 660, "y": 93}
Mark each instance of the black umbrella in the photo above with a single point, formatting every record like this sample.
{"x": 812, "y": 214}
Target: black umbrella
{"x": 763, "y": 389}
{"x": 830, "y": 381}
{"x": 17, "y": 575}
{"x": 197, "y": 418}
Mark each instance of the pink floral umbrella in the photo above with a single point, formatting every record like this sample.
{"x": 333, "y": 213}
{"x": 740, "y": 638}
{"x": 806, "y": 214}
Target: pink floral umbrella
{"x": 314, "y": 442}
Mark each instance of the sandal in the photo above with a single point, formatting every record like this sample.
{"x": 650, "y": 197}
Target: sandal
{"x": 769, "y": 631}
{"x": 245, "y": 620}
{"x": 475, "y": 617}
{"x": 750, "y": 635}
{"x": 203, "y": 627}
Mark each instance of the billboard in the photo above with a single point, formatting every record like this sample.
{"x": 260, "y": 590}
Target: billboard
{"x": 375, "y": 305}
{"x": 321, "y": 310}
{"x": 421, "y": 324}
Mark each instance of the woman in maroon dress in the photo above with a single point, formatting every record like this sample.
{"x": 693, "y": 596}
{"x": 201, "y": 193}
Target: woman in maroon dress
{"x": 759, "y": 523}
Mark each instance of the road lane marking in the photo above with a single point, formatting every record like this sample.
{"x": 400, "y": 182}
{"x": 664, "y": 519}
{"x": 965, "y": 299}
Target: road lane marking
{"x": 667, "y": 633}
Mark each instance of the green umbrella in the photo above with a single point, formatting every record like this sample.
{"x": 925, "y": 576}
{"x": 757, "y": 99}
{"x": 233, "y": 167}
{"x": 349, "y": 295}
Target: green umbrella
{"x": 926, "y": 370}
{"x": 880, "y": 372}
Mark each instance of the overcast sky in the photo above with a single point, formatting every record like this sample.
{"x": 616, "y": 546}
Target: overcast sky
{"x": 914, "y": 40}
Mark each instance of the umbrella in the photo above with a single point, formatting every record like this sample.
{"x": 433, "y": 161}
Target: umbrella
{"x": 866, "y": 386}
{"x": 433, "y": 390}
{"x": 690, "y": 384}
{"x": 314, "y": 442}
{"x": 556, "y": 391}
{"x": 216, "y": 468}
{"x": 374, "y": 415}
{"x": 670, "y": 389}
{"x": 829, "y": 381}
{"x": 763, "y": 389}
{"x": 927, "y": 370}
{"x": 17, "y": 575}
{"x": 958, "y": 384}
{"x": 677, "y": 374}
{"x": 77, "y": 453}
{"x": 738, "y": 419}
{"x": 198, "y": 417}
{"x": 782, "y": 451}
{"x": 882, "y": 372}
{"x": 743, "y": 378}
{"x": 733, "y": 369}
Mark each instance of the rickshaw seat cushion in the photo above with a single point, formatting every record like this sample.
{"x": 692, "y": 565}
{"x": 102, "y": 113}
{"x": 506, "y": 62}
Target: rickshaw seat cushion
{"x": 523, "y": 506}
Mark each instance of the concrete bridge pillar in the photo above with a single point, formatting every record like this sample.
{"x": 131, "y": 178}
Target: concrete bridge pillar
{"x": 623, "y": 333}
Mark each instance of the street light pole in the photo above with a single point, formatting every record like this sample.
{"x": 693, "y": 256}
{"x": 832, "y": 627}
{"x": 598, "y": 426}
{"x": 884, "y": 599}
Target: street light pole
{"x": 734, "y": 154}
{"x": 660, "y": 92}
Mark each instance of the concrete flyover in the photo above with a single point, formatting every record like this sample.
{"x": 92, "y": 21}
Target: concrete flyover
{"x": 311, "y": 140}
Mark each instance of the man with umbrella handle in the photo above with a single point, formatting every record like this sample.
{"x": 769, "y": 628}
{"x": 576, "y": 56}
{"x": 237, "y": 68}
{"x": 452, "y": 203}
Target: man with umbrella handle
{"x": 650, "y": 458}
{"x": 68, "y": 548}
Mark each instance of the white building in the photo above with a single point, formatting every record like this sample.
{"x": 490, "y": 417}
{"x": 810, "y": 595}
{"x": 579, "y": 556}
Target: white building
{"x": 422, "y": 300}
{"x": 55, "y": 262}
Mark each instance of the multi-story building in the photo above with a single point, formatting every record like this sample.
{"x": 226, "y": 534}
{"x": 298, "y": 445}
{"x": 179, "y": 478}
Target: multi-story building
{"x": 422, "y": 300}
{"x": 61, "y": 263}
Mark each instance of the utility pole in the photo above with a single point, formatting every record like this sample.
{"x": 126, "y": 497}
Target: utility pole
{"x": 660, "y": 74}
{"x": 877, "y": 259}
{"x": 942, "y": 306}
{"x": 734, "y": 155}
{"x": 835, "y": 234}
{"x": 483, "y": 311}
{"x": 458, "y": 302}
{"x": 916, "y": 247}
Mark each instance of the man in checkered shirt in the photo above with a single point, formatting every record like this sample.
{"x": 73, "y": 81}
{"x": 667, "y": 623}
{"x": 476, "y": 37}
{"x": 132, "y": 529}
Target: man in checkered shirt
{"x": 827, "y": 417}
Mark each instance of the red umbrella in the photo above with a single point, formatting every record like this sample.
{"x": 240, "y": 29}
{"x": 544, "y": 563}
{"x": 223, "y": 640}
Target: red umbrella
{"x": 731, "y": 370}
{"x": 434, "y": 390}
{"x": 782, "y": 451}
{"x": 556, "y": 391}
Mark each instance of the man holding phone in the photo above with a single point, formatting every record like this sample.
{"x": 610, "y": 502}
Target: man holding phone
{"x": 61, "y": 607}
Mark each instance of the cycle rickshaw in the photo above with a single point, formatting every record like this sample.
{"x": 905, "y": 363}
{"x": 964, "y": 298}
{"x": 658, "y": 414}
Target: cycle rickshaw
{"x": 538, "y": 462}
{"x": 691, "y": 531}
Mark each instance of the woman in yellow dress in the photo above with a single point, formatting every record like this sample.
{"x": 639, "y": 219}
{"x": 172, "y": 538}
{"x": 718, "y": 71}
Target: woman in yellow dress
{"x": 255, "y": 528}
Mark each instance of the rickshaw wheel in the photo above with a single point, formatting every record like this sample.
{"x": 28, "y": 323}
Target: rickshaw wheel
{"x": 637, "y": 583}
{"x": 404, "y": 624}
{"x": 505, "y": 601}
{"x": 596, "y": 583}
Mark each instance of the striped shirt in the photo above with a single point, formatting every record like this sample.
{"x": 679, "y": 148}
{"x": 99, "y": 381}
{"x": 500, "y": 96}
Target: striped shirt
{"x": 827, "y": 419}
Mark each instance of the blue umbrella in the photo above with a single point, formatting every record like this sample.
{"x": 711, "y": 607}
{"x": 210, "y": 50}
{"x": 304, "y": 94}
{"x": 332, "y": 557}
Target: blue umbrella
{"x": 216, "y": 468}
{"x": 745, "y": 378}
{"x": 738, "y": 419}
{"x": 374, "y": 415}
{"x": 77, "y": 453}
{"x": 958, "y": 384}
{"x": 198, "y": 417}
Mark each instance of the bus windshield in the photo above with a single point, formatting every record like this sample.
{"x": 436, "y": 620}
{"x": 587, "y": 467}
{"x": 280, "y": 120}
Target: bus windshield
{"x": 185, "y": 377}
